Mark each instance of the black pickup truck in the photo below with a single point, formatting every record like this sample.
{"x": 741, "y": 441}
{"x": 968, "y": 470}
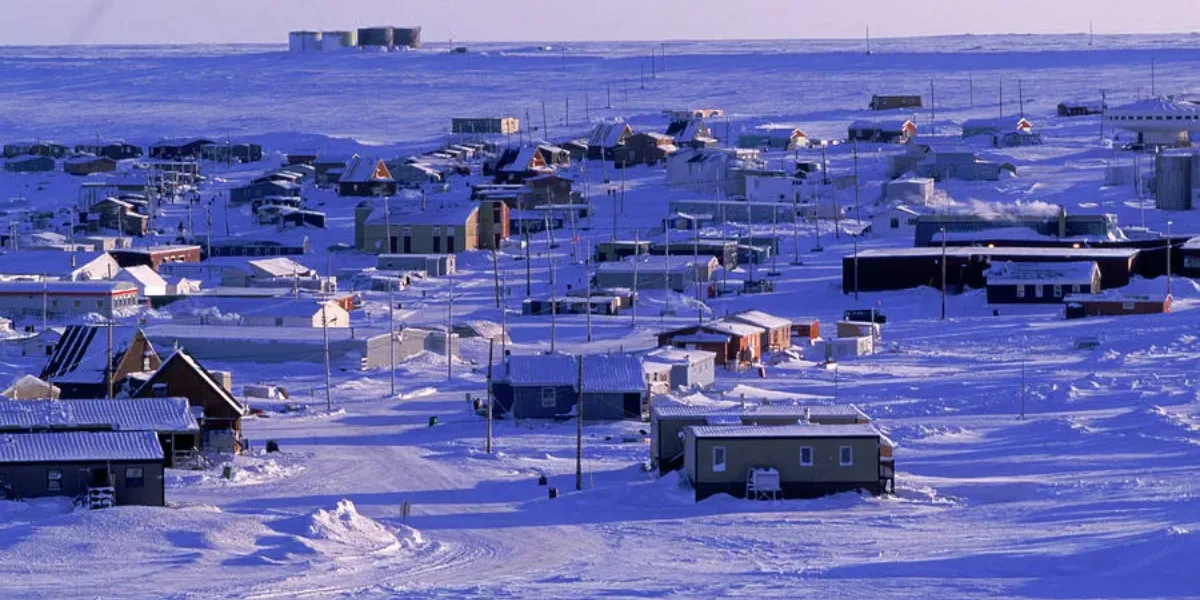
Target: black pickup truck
{"x": 864, "y": 315}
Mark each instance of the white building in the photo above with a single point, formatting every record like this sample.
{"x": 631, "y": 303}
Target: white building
{"x": 656, "y": 272}
{"x": 148, "y": 282}
{"x": 65, "y": 298}
{"x": 706, "y": 169}
{"x": 260, "y": 312}
{"x": 56, "y": 264}
{"x": 1161, "y": 121}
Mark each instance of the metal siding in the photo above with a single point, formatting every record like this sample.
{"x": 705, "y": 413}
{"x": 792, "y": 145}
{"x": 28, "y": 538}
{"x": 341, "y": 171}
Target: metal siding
{"x": 783, "y": 454}
{"x": 29, "y": 481}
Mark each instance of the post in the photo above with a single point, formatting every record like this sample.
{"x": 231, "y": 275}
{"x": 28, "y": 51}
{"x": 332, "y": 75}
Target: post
{"x": 528, "y": 259}
{"x": 491, "y": 345}
{"x": 932, "y": 109}
{"x": 579, "y": 430}
{"x": 856, "y": 266}
{"x": 637, "y": 245}
{"x": 1168, "y": 259}
{"x": 45, "y": 300}
{"x": 587, "y": 286}
{"x": 392, "y": 337}
{"x": 496, "y": 275}
{"x": 857, "y": 210}
{"x": 943, "y": 273}
{"x": 971, "y": 89}
{"x": 545, "y": 123}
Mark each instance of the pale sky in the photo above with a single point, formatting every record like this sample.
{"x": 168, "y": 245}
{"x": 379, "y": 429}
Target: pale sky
{"x": 27, "y": 22}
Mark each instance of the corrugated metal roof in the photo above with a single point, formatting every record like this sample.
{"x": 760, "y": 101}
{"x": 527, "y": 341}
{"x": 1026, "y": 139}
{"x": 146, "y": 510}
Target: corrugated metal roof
{"x": 127, "y": 414}
{"x": 785, "y": 431}
{"x": 601, "y": 372}
{"x": 760, "y": 318}
{"x": 773, "y": 410}
{"x": 78, "y": 446}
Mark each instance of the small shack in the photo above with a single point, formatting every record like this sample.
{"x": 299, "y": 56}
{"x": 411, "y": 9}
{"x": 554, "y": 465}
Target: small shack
{"x": 545, "y": 386}
{"x": 103, "y": 468}
{"x": 1110, "y": 304}
{"x": 889, "y": 102}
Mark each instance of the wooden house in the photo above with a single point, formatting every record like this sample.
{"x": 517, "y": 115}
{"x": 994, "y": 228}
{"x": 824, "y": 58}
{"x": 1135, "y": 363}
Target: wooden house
{"x": 778, "y": 331}
{"x": 546, "y": 386}
{"x": 45, "y": 149}
{"x": 178, "y": 149}
{"x": 694, "y": 133}
{"x": 118, "y": 150}
{"x": 882, "y": 132}
{"x": 806, "y": 329}
{"x": 734, "y": 344}
{"x": 687, "y": 369}
{"x": 120, "y": 215}
{"x": 605, "y": 138}
{"x": 798, "y": 461}
{"x": 646, "y": 148}
{"x": 1040, "y": 282}
{"x": 29, "y": 164}
{"x": 556, "y": 156}
{"x": 364, "y": 177}
{"x": 86, "y": 165}
{"x": 668, "y": 420}
{"x": 104, "y": 468}
{"x": 79, "y": 364}
{"x": 441, "y": 227}
{"x": 181, "y": 376}
{"x": 263, "y": 189}
{"x": 889, "y": 102}
{"x": 155, "y": 256}
{"x": 516, "y": 165}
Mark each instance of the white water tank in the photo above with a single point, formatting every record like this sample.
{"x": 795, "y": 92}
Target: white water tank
{"x": 304, "y": 41}
{"x": 338, "y": 40}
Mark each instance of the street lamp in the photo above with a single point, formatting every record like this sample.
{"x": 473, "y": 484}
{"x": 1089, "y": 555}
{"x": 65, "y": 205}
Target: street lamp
{"x": 1168, "y": 259}
{"x": 855, "y": 235}
{"x": 943, "y": 230}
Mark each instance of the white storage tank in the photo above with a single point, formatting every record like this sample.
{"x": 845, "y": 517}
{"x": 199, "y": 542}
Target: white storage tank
{"x": 338, "y": 40}
{"x": 304, "y": 41}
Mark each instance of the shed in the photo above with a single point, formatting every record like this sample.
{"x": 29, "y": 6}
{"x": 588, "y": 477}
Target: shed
{"x": 29, "y": 164}
{"x": 1108, "y": 304}
{"x": 778, "y": 334}
{"x": 28, "y": 387}
{"x": 688, "y": 369}
{"x": 86, "y": 165}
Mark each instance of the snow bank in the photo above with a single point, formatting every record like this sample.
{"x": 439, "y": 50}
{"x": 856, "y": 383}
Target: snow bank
{"x": 343, "y": 530}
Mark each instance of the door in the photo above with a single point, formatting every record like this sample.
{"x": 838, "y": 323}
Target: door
{"x": 100, "y": 478}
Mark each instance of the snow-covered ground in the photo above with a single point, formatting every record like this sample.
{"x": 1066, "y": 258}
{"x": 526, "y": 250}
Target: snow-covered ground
{"x": 1090, "y": 495}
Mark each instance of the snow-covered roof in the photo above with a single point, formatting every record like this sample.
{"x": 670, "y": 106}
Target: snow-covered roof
{"x": 1003, "y": 273}
{"x": 761, "y": 319}
{"x": 997, "y": 123}
{"x": 679, "y": 355}
{"x": 732, "y": 328}
{"x": 522, "y": 160}
{"x": 673, "y": 410}
{"x": 601, "y": 372}
{"x": 143, "y": 276}
{"x": 857, "y": 430}
{"x": 1158, "y": 106}
{"x": 608, "y": 134}
{"x": 657, "y": 262}
{"x": 1115, "y": 296}
{"x": 881, "y": 125}
{"x": 274, "y": 307}
{"x": 365, "y": 170}
{"x": 98, "y": 288}
{"x": 702, "y": 337}
{"x": 120, "y": 414}
{"x": 968, "y": 251}
{"x": 205, "y": 377}
{"x": 82, "y": 352}
{"x": 49, "y": 262}
{"x": 280, "y": 266}
{"x": 79, "y": 446}
{"x": 453, "y": 213}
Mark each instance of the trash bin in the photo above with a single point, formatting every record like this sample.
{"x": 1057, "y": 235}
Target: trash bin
{"x": 432, "y": 421}
{"x": 272, "y": 446}
{"x": 553, "y": 493}
{"x": 542, "y": 480}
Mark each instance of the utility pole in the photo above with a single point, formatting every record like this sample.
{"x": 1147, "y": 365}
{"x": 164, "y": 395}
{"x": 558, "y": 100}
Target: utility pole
{"x": 387, "y": 228}
{"x": 325, "y": 344}
{"x": 971, "y": 89}
{"x": 637, "y": 245}
{"x": 545, "y": 123}
{"x": 857, "y": 210}
{"x": 528, "y": 258}
{"x": 579, "y": 430}
{"x": 496, "y": 275}
{"x": 943, "y": 273}
{"x": 856, "y": 266}
{"x": 491, "y": 345}
{"x": 450, "y": 331}
{"x": 932, "y": 109}
{"x": 1021, "y": 97}
{"x": 45, "y": 300}
{"x": 567, "y": 113}
{"x": 587, "y": 286}
{"x": 108, "y": 365}
{"x": 1153, "y": 90}
{"x": 553, "y": 286}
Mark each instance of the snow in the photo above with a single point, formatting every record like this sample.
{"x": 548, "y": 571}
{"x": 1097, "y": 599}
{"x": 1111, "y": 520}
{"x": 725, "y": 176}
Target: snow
{"x": 1090, "y": 494}
{"x": 70, "y": 446}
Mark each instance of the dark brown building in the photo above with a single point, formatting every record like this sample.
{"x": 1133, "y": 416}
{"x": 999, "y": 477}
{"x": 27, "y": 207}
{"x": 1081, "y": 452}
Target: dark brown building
{"x": 181, "y": 376}
{"x": 646, "y": 148}
{"x": 155, "y": 256}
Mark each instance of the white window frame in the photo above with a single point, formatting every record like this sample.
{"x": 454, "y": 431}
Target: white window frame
{"x": 842, "y": 456}
{"x": 1038, "y": 291}
{"x": 553, "y": 396}
{"x": 54, "y": 480}
{"x": 1020, "y": 290}
{"x": 1058, "y": 290}
{"x": 719, "y": 466}
{"x": 809, "y": 462}
{"x": 135, "y": 477}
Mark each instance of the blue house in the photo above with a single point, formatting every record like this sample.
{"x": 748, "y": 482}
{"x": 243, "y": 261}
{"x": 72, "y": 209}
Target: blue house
{"x": 544, "y": 386}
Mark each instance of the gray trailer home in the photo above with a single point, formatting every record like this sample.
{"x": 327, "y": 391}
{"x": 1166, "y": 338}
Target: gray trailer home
{"x": 544, "y": 386}
{"x": 804, "y": 461}
{"x": 101, "y": 468}
{"x": 169, "y": 418}
{"x": 667, "y": 422}
{"x": 434, "y": 265}
{"x": 687, "y": 368}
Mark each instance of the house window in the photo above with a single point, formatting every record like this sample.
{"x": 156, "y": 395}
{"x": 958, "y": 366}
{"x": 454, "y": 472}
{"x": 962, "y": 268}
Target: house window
{"x": 1020, "y": 291}
{"x": 549, "y": 397}
{"x": 99, "y": 304}
{"x": 1075, "y": 289}
{"x": 54, "y": 480}
{"x": 279, "y": 321}
{"x": 450, "y": 245}
{"x": 1057, "y": 291}
{"x": 1127, "y": 304}
{"x": 76, "y": 304}
{"x": 806, "y": 456}
{"x": 134, "y": 477}
{"x": 1037, "y": 291}
{"x": 718, "y": 459}
{"x": 846, "y": 456}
